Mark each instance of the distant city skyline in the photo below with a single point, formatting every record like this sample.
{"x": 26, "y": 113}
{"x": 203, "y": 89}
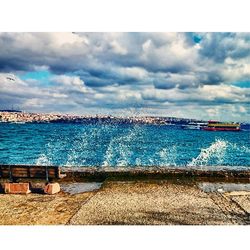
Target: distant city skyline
{"x": 192, "y": 75}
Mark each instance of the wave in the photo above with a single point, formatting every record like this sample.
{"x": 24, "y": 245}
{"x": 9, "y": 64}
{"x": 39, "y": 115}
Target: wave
{"x": 78, "y": 148}
{"x": 216, "y": 151}
{"x": 117, "y": 146}
{"x": 43, "y": 160}
{"x": 119, "y": 151}
{"x": 167, "y": 156}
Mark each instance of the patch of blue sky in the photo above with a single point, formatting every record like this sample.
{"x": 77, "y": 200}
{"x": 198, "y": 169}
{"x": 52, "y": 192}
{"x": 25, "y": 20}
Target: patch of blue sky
{"x": 42, "y": 77}
{"x": 242, "y": 84}
{"x": 197, "y": 38}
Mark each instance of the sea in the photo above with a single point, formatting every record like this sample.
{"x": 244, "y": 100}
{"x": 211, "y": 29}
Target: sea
{"x": 122, "y": 145}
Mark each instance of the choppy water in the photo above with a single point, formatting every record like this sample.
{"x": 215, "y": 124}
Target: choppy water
{"x": 121, "y": 146}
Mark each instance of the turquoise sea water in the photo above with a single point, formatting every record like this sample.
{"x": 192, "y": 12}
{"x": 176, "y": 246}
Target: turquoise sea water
{"x": 118, "y": 145}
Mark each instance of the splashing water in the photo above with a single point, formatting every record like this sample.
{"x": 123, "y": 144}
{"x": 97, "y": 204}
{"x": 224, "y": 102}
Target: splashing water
{"x": 168, "y": 156}
{"x": 43, "y": 160}
{"x": 215, "y": 150}
{"x": 77, "y": 149}
{"x": 119, "y": 151}
{"x": 115, "y": 145}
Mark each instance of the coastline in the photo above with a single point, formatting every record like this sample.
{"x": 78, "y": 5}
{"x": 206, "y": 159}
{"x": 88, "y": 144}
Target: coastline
{"x": 135, "y": 197}
{"x": 154, "y": 172}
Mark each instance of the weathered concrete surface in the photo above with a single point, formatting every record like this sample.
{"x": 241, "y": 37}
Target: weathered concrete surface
{"x": 156, "y": 172}
{"x": 155, "y": 202}
{"x": 52, "y": 188}
{"x": 158, "y": 203}
{"x": 39, "y": 209}
{"x": 17, "y": 188}
{"x": 243, "y": 201}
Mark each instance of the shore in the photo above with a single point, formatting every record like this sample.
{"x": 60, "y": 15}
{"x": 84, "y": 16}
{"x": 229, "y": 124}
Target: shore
{"x": 122, "y": 200}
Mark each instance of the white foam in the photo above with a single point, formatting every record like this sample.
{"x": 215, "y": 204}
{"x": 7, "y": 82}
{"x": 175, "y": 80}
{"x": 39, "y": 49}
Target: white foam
{"x": 78, "y": 145}
{"x": 43, "y": 160}
{"x": 168, "y": 156}
{"x": 119, "y": 152}
{"x": 216, "y": 150}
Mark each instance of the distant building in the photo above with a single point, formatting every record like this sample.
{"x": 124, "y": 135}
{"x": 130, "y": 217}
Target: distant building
{"x": 10, "y": 110}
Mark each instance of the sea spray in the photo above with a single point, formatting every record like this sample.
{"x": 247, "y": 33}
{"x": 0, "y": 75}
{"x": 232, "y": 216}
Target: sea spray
{"x": 43, "y": 160}
{"x": 119, "y": 151}
{"x": 167, "y": 156}
{"x": 46, "y": 156}
{"x": 77, "y": 149}
{"x": 216, "y": 151}
{"x": 124, "y": 145}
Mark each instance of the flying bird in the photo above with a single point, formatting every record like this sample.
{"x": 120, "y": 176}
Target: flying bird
{"x": 11, "y": 79}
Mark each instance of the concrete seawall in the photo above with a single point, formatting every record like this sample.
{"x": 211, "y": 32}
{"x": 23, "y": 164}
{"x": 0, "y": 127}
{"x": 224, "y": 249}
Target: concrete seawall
{"x": 135, "y": 196}
{"x": 94, "y": 173}
{"x": 212, "y": 173}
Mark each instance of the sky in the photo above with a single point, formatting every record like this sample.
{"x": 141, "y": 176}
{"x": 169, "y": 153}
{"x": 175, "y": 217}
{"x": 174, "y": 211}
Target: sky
{"x": 193, "y": 75}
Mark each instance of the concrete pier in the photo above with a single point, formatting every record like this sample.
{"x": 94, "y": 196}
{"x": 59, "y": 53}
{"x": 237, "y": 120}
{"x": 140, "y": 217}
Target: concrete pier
{"x": 135, "y": 197}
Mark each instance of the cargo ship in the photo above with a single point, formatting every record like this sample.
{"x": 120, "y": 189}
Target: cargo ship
{"x": 222, "y": 126}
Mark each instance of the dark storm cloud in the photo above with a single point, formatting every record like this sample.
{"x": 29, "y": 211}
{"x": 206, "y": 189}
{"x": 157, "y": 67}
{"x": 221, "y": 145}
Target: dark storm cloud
{"x": 27, "y": 50}
{"x": 219, "y": 46}
{"x": 164, "y": 84}
{"x": 97, "y": 53}
{"x": 123, "y": 70}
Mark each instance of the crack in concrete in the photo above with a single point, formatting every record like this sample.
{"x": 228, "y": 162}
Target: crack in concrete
{"x": 81, "y": 205}
{"x": 243, "y": 209}
{"x": 229, "y": 208}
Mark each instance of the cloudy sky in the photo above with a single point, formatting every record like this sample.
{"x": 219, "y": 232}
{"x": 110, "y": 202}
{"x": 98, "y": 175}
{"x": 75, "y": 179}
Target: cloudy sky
{"x": 195, "y": 75}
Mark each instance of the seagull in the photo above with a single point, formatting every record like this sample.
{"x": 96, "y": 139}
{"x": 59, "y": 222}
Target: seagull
{"x": 11, "y": 79}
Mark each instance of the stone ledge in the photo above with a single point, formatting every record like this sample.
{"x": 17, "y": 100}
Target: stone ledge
{"x": 52, "y": 188}
{"x": 17, "y": 188}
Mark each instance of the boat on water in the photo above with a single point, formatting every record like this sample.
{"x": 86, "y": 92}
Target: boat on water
{"x": 194, "y": 125}
{"x": 222, "y": 126}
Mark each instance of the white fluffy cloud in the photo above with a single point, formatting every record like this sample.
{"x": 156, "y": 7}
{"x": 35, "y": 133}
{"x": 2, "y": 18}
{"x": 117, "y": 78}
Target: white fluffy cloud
{"x": 73, "y": 83}
{"x": 164, "y": 73}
